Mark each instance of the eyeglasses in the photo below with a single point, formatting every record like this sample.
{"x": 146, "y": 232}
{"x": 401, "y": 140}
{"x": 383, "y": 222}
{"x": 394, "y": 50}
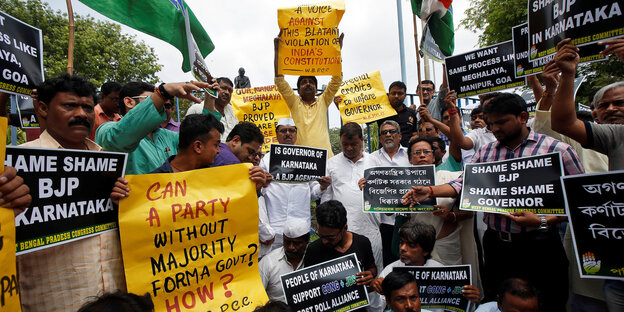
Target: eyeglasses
{"x": 391, "y": 131}
{"x": 139, "y": 97}
{"x": 289, "y": 130}
{"x": 420, "y": 152}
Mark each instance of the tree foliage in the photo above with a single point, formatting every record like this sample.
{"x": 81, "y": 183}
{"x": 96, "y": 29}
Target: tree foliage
{"x": 101, "y": 51}
{"x": 494, "y": 18}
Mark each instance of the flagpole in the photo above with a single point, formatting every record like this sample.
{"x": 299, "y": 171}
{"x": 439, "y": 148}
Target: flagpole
{"x": 70, "y": 47}
{"x": 420, "y": 96}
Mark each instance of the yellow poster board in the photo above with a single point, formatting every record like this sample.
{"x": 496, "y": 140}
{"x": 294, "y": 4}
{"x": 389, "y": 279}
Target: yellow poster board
{"x": 9, "y": 293}
{"x": 263, "y": 106}
{"x": 364, "y": 99}
{"x": 310, "y": 45}
{"x": 190, "y": 239}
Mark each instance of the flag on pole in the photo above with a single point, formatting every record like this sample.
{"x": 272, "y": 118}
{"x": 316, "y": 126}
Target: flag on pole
{"x": 169, "y": 20}
{"x": 439, "y": 17}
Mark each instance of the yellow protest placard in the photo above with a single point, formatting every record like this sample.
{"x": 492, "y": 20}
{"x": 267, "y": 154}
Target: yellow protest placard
{"x": 310, "y": 44}
{"x": 364, "y": 99}
{"x": 263, "y": 106}
{"x": 9, "y": 293}
{"x": 190, "y": 239}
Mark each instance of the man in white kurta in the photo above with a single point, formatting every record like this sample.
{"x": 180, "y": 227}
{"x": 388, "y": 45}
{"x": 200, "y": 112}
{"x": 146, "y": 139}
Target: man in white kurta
{"x": 288, "y": 200}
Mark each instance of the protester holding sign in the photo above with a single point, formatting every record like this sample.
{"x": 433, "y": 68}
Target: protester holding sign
{"x": 604, "y": 136}
{"x": 514, "y": 240}
{"x": 289, "y": 200}
{"x": 335, "y": 241}
{"x": 221, "y": 106}
{"x": 308, "y": 111}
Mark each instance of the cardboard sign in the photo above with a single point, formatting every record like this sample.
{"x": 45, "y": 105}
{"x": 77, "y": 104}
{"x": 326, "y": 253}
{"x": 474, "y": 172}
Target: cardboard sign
{"x": 71, "y": 194}
{"x": 521, "y": 184}
{"x": 484, "y": 70}
{"x": 291, "y": 163}
{"x": 441, "y": 287}
{"x": 310, "y": 44}
{"x": 190, "y": 239}
{"x": 385, "y": 186}
{"x": 263, "y": 106}
{"x": 9, "y": 292}
{"x": 327, "y": 286}
{"x": 584, "y": 21}
{"x": 21, "y": 56}
{"x": 26, "y": 111}
{"x": 524, "y": 67}
{"x": 364, "y": 99}
{"x": 595, "y": 206}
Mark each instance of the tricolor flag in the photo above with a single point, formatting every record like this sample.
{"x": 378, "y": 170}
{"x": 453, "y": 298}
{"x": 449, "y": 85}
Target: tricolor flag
{"x": 169, "y": 20}
{"x": 439, "y": 17}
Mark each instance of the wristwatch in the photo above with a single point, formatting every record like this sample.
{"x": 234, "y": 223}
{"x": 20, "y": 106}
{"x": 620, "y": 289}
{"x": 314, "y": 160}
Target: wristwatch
{"x": 543, "y": 224}
{"x": 164, "y": 93}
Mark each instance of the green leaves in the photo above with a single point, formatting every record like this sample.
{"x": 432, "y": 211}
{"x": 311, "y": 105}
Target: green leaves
{"x": 101, "y": 51}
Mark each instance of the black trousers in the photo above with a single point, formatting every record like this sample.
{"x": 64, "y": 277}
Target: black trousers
{"x": 536, "y": 256}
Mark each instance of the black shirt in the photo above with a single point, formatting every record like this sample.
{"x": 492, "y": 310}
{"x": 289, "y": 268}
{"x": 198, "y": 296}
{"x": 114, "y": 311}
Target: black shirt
{"x": 361, "y": 246}
{"x": 407, "y": 120}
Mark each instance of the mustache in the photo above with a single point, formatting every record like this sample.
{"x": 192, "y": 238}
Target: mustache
{"x": 78, "y": 122}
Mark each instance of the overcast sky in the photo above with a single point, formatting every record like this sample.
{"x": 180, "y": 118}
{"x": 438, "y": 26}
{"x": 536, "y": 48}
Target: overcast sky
{"x": 243, "y": 32}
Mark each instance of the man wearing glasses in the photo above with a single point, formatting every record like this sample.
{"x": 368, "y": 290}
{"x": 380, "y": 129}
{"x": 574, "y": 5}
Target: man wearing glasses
{"x": 405, "y": 117}
{"x": 433, "y": 105}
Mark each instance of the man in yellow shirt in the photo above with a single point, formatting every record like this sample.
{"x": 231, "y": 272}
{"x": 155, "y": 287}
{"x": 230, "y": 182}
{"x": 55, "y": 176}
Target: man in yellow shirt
{"x": 308, "y": 111}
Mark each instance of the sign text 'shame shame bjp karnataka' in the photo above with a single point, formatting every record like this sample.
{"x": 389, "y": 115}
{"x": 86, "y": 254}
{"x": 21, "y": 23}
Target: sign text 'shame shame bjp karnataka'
{"x": 190, "y": 239}
{"x": 310, "y": 44}
{"x": 9, "y": 295}
{"x": 263, "y": 106}
{"x": 364, "y": 99}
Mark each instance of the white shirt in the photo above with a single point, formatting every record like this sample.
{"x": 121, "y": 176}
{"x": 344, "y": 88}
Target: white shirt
{"x": 382, "y": 159}
{"x": 287, "y": 200}
{"x": 228, "y": 120}
{"x": 398, "y": 264}
{"x": 271, "y": 267}
{"x": 479, "y": 137}
{"x": 265, "y": 231}
{"x": 345, "y": 176}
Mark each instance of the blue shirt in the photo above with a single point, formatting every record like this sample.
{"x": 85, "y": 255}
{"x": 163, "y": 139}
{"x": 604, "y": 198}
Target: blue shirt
{"x": 225, "y": 156}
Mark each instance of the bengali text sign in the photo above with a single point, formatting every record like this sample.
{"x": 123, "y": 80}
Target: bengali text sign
{"x": 584, "y": 21}
{"x": 190, "y": 239}
{"x": 364, "y": 99}
{"x": 441, "y": 287}
{"x": 385, "y": 186}
{"x": 21, "y": 56}
{"x": 291, "y": 163}
{"x": 521, "y": 184}
{"x": 310, "y": 39}
{"x": 71, "y": 194}
{"x": 484, "y": 70}
{"x": 595, "y": 206}
{"x": 327, "y": 286}
{"x": 263, "y": 106}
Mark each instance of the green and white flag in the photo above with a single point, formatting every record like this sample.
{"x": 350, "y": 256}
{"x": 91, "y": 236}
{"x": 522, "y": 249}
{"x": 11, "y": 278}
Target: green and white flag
{"x": 169, "y": 20}
{"x": 439, "y": 17}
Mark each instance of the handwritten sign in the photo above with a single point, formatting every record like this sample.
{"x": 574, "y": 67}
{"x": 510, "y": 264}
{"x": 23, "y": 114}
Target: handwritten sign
{"x": 521, "y": 184}
{"x": 441, "y": 287}
{"x": 584, "y": 21}
{"x": 364, "y": 99}
{"x": 263, "y": 106}
{"x": 21, "y": 60}
{"x": 310, "y": 44}
{"x": 525, "y": 67}
{"x": 70, "y": 191}
{"x": 291, "y": 163}
{"x": 190, "y": 239}
{"x": 595, "y": 205}
{"x": 9, "y": 292}
{"x": 327, "y": 286}
{"x": 483, "y": 70}
{"x": 385, "y": 186}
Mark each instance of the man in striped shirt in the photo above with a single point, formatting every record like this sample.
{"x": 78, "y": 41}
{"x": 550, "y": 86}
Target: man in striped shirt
{"x": 519, "y": 244}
